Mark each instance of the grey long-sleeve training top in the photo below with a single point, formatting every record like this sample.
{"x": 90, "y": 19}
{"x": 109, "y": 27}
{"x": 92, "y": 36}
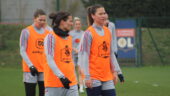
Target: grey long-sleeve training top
{"x": 49, "y": 45}
{"x": 24, "y": 43}
{"x": 112, "y": 29}
{"x": 84, "y": 52}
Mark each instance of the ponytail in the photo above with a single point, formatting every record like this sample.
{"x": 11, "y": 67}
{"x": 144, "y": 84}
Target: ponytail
{"x": 57, "y": 17}
{"x": 91, "y": 10}
{"x": 53, "y": 17}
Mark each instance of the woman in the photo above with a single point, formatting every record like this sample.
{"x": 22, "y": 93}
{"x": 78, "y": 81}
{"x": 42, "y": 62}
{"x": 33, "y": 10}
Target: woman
{"x": 32, "y": 50}
{"x": 112, "y": 29}
{"x": 76, "y": 35}
{"x": 59, "y": 72}
{"x": 97, "y": 58}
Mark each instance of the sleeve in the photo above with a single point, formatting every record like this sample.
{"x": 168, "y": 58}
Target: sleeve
{"x": 84, "y": 52}
{"x": 23, "y": 46}
{"x": 114, "y": 37}
{"x": 49, "y": 44}
{"x": 114, "y": 63}
{"x": 50, "y": 29}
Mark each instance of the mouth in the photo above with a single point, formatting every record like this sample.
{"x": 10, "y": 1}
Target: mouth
{"x": 103, "y": 19}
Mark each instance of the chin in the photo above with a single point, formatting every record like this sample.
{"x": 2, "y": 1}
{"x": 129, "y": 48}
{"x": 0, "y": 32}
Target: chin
{"x": 68, "y": 29}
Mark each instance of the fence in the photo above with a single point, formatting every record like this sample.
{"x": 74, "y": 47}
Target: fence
{"x": 155, "y": 40}
{"x": 152, "y": 42}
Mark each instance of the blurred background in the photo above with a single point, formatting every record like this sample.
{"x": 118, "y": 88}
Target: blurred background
{"x": 143, "y": 56}
{"x": 21, "y": 11}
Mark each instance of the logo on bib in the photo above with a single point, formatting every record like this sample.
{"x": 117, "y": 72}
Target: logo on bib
{"x": 40, "y": 43}
{"x": 66, "y": 54}
{"x": 103, "y": 50}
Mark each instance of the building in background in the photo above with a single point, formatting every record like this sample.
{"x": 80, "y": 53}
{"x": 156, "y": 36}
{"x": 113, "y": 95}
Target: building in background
{"x": 21, "y": 11}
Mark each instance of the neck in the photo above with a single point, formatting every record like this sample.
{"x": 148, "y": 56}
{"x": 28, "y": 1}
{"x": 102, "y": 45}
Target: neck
{"x": 100, "y": 25}
{"x": 77, "y": 29}
{"x": 36, "y": 26}
{"x": 60, "y": 32}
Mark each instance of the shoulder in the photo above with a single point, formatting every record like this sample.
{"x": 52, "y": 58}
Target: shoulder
{"x": 112, "y": 24}
{"x": 50, "y": 36}
{"x": 28, "y": 29}
{"x": 49, "y": 39}
{"x": 87, "y": 33}
{"x": 88, "y": 30}
{"x": 25, "y": 31}
{"x": 71, "y": 32}
{"x": 48, "y": 28}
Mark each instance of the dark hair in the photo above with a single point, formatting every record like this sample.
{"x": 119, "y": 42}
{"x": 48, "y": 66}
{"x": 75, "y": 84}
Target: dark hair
{"x": 57, "y": 17}
{"x": 39, "y": 12}
{"x": 92, "y": 10}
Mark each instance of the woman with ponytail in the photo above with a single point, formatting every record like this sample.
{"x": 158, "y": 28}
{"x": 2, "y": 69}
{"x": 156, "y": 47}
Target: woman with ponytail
{"x": 59, "y": 72}
{"x": 97, "y": 58}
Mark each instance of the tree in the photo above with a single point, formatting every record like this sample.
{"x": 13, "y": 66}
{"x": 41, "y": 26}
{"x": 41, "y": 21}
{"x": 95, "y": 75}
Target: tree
{"x": 133, "y": 8}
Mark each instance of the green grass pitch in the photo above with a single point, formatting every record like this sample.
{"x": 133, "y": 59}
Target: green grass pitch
{"x": 142, "y": 81}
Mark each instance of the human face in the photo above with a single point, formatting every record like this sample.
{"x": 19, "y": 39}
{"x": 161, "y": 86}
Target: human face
{"x": 77, "y": 25}
{"x": 66, "y": 25}
{"x": 99, "y": 17}
{"x": 40, "y": 21}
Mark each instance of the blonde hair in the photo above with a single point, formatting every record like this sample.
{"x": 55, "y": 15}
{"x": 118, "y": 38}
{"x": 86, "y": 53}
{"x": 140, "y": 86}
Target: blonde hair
{"x": 76, "y": 19}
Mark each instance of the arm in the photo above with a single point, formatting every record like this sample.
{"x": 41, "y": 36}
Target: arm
{"x": 23, "y": 46}
{"x": 114, "y": 37}
{"x": 114, "y": 64}
{"x": 49, "y": 44}
{"x": 84, "y": 52}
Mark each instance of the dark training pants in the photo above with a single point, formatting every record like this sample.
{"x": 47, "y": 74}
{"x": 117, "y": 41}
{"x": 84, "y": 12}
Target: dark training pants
{"x": 96, "y": 91}
{"x": 30, "y": 88}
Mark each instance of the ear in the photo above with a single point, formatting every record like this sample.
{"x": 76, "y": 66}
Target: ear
{"x": 62, "y": 22}
{"x": 93, "y": 16}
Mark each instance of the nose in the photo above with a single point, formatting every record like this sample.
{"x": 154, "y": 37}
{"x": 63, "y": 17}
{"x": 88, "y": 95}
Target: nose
{"x": 103, "y": 15}
{"x": 42, "y": 21}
